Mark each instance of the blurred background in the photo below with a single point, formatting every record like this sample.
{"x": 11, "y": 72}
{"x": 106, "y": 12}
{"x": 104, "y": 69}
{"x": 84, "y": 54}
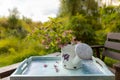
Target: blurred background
{"x": 40, "y": 27}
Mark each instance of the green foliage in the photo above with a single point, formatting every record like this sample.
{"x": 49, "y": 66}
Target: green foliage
{"x": 22, "y": 38}
{"x": 73, "y": 7}
{"x": 6, "y": 44}
{"x": 110, "y": 61}
{"x": 70, "y": 7}
{"x": 13, "y": 50}
{"x": 110, "y": 19}
{"x": 82, "y": 30}
{"x": 13, "y": 18}
{"x": 14, "y": 27}
{"x": 14, "y": 58}
{"x": 110, "y": 22}
{"x": 52, "y": 35}
{"x": 40, "y": 39}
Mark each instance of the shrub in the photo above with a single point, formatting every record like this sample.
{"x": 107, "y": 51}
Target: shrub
{"x": 81, "y": 29}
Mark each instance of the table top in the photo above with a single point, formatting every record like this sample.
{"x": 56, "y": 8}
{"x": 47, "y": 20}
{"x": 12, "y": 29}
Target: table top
{"x": 44, "y": 66}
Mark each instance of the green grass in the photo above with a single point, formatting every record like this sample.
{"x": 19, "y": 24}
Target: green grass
{"x": 14, "y": 50}
{"x": 110, "y": 61}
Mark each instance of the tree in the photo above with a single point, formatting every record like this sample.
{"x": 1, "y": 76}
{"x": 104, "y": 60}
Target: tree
{"x": 73, "y": 7}
{"x": 83, "y": 18}
{"x": 69, "y": 7}
{"x": 15, "y": 25}
{"x": 13, "y": 18}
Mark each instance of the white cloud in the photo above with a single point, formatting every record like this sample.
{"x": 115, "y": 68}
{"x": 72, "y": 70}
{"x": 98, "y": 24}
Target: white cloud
{"x": 35, "y": 9}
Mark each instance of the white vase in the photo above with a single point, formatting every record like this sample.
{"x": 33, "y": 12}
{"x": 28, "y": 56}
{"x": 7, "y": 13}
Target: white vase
{"x": 69, "y": 58}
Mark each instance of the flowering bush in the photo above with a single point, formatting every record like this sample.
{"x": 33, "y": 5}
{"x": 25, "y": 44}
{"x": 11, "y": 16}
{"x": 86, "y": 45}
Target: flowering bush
{"x": 52, "y": 35}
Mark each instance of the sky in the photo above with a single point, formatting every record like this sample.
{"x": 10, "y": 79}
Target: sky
{"x": 37, "y": 10}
